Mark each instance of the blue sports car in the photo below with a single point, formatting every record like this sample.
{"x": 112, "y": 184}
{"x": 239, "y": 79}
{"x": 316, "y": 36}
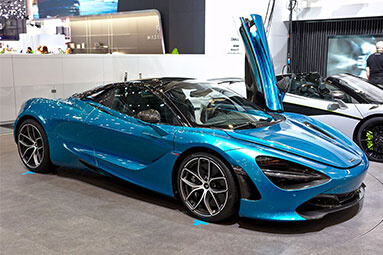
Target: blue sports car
{"x": 217, "y": 152}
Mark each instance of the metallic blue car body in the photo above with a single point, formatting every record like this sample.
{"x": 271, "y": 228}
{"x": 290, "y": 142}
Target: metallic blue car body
{"x": 81, "y": 134}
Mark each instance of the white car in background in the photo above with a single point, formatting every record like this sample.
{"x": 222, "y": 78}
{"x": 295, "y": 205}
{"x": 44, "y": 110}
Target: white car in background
{"x": 345, "y": 102}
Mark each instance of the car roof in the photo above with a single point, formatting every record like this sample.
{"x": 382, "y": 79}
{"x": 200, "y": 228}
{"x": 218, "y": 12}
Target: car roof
{"x": 153, "y": 83}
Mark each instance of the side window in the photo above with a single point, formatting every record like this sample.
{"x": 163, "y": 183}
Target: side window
{"x": 105, "y": 97}
{"x": 130, "y": 100}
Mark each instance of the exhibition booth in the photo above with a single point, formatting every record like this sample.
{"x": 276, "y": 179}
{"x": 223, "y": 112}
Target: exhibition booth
{"x": 191, "y": 127}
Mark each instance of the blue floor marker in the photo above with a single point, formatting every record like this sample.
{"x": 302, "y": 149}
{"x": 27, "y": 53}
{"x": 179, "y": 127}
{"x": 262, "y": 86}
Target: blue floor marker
{"x": 198, "y": 222}
{"x": 28, "y": 172}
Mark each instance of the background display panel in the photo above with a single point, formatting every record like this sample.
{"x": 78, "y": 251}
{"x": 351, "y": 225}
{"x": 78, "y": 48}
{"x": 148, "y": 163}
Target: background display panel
{"x": 61, "y": 8}
{"x": 348, "y": 54}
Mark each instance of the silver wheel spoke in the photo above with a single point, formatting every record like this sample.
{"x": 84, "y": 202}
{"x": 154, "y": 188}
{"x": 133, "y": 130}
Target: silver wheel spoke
{"x": 39, "y": 155}
{"x": 35, "y": 158}
{"x": 208, "y": 170}
{"x": 218, "y": 191}
{"x": 217, "y": 178}
{"x": 33, "y": 134}
{"x": 199, "y": 202}
{"x": 195, "y": 175}
{"x": 29, "y": 132}
{"x": 24, "y": 144}
{"x": 30, "y": 157}
{"x": 199, "y": 168}
{"x": 30, "y": 139}
{"x": 25, "y": 152}
{"x": 207, "y": 204}
{"x": 215, "y": 200}
{"x": 189, "y": 183}
{"x": 191, "y": 192}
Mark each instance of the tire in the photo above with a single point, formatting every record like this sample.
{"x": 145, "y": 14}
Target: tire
{"x": 210, "y": 197}
{"x": 33, "y": 147}
{"x": 370, "y": 138}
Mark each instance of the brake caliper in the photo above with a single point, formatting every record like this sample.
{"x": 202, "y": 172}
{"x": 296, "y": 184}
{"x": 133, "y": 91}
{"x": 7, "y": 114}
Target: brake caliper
{"x": 370, "y": 140}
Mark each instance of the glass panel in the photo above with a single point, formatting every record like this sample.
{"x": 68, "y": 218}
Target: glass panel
{"x": 131, "y": 100}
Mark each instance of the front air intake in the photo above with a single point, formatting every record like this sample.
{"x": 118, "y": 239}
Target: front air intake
{"x": 289, "y": 175}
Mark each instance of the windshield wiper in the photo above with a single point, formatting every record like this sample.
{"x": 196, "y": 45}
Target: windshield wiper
{"x": 246, "y": 125}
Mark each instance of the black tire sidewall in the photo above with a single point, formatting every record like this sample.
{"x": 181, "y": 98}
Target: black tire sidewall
{"x": 366, "y": 124}
{"x": 231, "y": 207}
{"x": 46, "y": 163}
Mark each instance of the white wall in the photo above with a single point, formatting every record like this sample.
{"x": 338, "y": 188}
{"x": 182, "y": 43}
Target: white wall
{"x": 28, "y": 76}
{"x": 330, "y": 9}
{"x": 222, "y": 23}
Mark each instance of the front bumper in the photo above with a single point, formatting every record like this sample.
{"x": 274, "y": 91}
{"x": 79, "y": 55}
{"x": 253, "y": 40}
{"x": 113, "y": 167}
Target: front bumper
{"x": 324, "y": 204}
{"x": 286, "y": 205}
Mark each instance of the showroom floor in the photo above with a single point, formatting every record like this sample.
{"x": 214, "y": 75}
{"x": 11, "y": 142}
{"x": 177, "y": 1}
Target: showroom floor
{"x": 74, "y": 212}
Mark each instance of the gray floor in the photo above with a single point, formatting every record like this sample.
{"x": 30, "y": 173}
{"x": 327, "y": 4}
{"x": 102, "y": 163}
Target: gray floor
{"x": 73, "y": 212}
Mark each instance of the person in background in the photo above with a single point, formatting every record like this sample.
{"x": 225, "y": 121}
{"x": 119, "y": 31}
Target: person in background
{"x": 40, "y": 49}
{"x": 30, "y": 51}
{"x": 68, "y": 50}
{"x": 375, "y": 65}
{"x": 45, "y": 50}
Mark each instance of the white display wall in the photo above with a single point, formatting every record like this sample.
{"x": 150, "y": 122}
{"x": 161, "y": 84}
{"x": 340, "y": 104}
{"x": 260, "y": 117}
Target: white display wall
{"x": 28, "y": 76}
{"x": 222, "y": 24}
{"x": 330, "y": 9}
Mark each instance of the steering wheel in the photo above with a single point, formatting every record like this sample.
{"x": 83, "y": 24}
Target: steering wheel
{"x": 213, "y": 108}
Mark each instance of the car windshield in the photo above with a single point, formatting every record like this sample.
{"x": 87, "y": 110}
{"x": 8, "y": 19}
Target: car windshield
{"x": 207, "y": 105}
{"x": 363, "y": 88}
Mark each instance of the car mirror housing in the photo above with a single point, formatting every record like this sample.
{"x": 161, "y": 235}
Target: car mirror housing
{"x": 150, "y": 116}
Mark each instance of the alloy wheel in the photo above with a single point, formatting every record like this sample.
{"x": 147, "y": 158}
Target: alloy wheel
{"x": 372, "y": 142}
{"x": 203, "y": 186}
{"x": 31, "y": 145}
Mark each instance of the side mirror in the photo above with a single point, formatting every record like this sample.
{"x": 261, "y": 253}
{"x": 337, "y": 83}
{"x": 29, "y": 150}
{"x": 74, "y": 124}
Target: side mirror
{"x": 337, "y": 94}
{"x": 150, "y": 116}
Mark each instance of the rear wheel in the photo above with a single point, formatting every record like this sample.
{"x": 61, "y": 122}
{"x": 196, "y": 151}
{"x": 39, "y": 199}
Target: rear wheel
{"x": 207, "y": 187}
{"x": 370, "y": 138}
{"x": 32, "y": 143}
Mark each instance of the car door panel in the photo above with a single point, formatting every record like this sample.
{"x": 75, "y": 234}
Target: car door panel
{"x": 343, "y": 119}
{"x": 124, "y": 141}
{"x": 134, "y": 151}
{"x": 259, "y": 58}
{"x": 70, "y": 134}
{"x": 369, "y": 109}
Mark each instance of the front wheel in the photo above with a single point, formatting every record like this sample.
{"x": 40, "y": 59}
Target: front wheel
{"x": 32, "y": 143}
{"x": 370, "y": 138}
{"x": 207, "y": 187}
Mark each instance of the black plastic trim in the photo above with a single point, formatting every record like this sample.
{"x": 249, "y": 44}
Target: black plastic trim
{"x": 247, "y": 187}
{"x": 311, "y": 209}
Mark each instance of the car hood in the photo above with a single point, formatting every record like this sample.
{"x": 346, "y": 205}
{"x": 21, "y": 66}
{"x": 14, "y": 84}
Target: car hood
{"x": 305, "y": 139}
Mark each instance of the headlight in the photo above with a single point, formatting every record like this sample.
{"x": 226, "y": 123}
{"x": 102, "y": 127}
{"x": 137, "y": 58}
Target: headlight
{"x": 289, "y": 175}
